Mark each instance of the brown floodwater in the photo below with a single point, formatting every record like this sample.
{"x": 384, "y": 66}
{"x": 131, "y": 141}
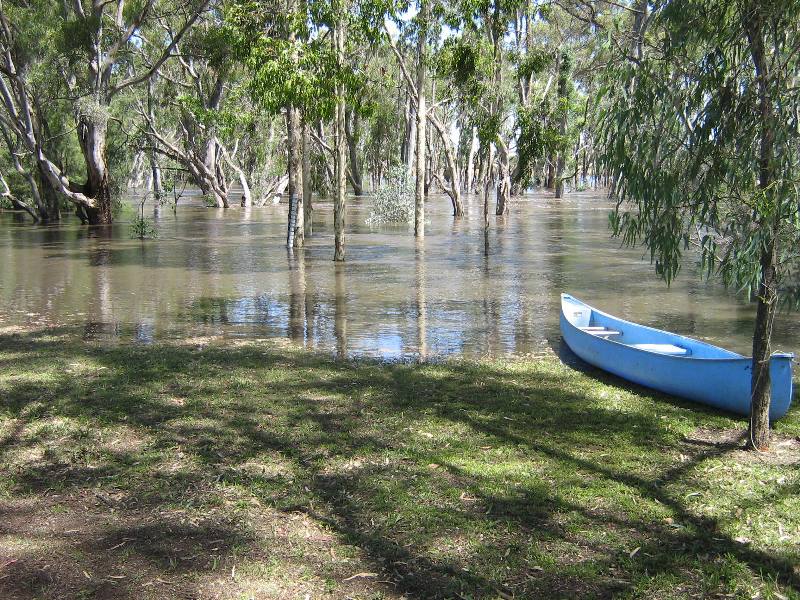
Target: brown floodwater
{"x": 216, "y": 273}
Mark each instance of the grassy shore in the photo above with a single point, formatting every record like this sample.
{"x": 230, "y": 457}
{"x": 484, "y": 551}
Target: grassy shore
{"x": 239, "y": 471}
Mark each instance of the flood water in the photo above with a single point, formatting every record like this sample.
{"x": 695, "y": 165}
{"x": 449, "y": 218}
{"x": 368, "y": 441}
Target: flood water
{"x": 227, "y": 274}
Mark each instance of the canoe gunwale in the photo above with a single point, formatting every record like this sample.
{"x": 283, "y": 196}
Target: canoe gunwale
{"x": 735, "y": 358}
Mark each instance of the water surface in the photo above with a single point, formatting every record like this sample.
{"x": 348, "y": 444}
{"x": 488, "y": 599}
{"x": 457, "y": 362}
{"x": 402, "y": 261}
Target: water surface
{"x": 227, "y": 274}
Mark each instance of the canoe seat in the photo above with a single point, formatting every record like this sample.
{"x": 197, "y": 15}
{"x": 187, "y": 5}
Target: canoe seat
{"x": 600, "y": 331}
{"x": 670, "y": 349}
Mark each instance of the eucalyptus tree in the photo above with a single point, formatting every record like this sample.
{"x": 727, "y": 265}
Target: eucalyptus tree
{"x": 96, "y": 43}
{"x": 701, "y": 137}
{"x": 202, "y": 109}
{"x": 292, "y": 71}
{"x": 453, "y": 187}
{"x": 557, "y": 55}
{"x": 477, "y": 63}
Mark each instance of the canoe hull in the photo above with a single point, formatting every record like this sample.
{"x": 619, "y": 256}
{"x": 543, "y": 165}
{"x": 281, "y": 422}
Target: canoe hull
{"x": 722, "y": 383}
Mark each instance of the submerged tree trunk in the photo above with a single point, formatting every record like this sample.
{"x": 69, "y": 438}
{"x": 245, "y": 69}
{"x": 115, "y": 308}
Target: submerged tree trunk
{"x": 411, "y": 136}
{"x": 308, "y": 207}
{"x": 454, "y": 189}
{"x": 155, "y": 168}
{"x": 560, "y": 175}
{"x": 340, "y": 183}
{"x": 489, "y": 158}
{"x": 92, "y": 130}
{"x": 51, "y": 201}
{"x": 503, "y": 179}
{"x": 550, "y": 178}
{"x": 294, "y": 138}
{"x": 419, "y": 192}
{"x": 564, "y": 74}
{"x": 470, "y": 172}
{"x": 351, "y": 128}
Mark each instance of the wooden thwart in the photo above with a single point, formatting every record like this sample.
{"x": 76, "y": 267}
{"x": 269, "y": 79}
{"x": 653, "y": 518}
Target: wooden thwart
{"x": 600, "y": 331}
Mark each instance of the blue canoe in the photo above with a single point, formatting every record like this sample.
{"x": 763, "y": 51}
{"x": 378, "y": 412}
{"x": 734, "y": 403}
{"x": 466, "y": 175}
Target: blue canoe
{"x": 668, "y": 362}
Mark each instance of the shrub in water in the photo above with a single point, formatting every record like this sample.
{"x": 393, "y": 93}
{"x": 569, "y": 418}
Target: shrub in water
{"x": 394, "y": 202}
{"x": 143, "y": 228}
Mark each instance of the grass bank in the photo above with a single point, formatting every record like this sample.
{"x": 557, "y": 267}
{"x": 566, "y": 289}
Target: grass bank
{"x": 180, "y": 471}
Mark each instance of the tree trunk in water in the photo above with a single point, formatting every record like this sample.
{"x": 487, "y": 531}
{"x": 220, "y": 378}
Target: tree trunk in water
{"x": 411, "y": 138}
{"x": 550, "y": 180}
{"x": 155, "y": 168}
{"x": 341, "y": 162}
{"x": 419, "y": 192}
{"x": 351, "y": 128}
{"x": 503, "y": 180}
{"x": 50, "y": 197}
{"x": 92, "y": 138}
{"x": 486, "y": 187}
{"x": 308, "y": 207}
{"x": 560, "y": 175}
{"x": 158, "y": 187}
{"x": 295, "y": 135}
{"x": 211, "y": 161}
{"x": 470, "y": 175}
{"x": 564, "y": 74}
{"x": 452, "y": 167}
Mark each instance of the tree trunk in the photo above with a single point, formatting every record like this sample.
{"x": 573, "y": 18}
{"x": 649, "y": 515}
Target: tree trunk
{"x": 767, "y": 289}
{"x": 215, "y": 189}
{"x": 454, "y": 191}
{"x": 761, "y": 383}
{"x": 564, "y": 74}
{"x": 410, "y": 137}
{"x": 155, "y": 168}
{"x": 351, "y": 128}
{"x": 295, "y": 135}
{"x": 308, "y": 207}
{"x": 486, "y": 187}
{"x": 340, "y": 184}
{"x": 419, "y": 192}
{"x": 503, "y": 180}
{"x": 158, "y": 186}
{"x": 470, "y": 175}
{"x": 51, "y": 200}
{"x": 92, "y": 131}
{"x": 560, "y": 175}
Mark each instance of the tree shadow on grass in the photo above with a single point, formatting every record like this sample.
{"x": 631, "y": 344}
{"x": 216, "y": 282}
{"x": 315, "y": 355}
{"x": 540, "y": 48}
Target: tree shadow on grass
{"x": 407, "y": 463}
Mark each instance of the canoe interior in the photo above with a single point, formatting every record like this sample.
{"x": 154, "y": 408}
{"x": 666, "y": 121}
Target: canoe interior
{"x": 582, "y": 315}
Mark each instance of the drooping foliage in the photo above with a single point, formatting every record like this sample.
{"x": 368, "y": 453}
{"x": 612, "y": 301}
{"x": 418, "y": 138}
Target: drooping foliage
{"x": 684, "y": 132}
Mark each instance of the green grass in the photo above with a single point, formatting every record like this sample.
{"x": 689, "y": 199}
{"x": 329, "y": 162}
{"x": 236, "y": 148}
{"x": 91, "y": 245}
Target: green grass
{"x": 259, "y": 471}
